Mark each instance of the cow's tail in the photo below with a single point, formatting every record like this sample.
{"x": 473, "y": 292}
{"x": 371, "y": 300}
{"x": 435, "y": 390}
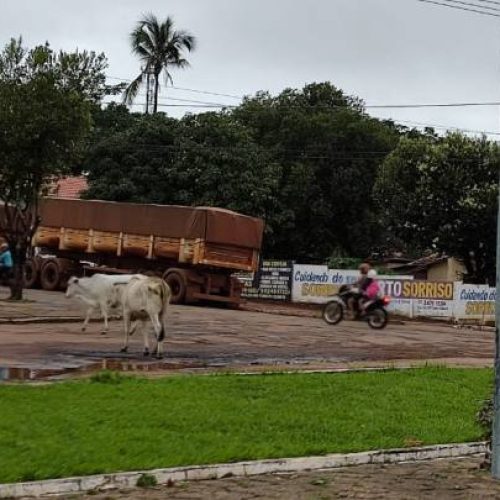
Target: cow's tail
{"x": 165, "y": 300}
{"x": 161, "y": 289}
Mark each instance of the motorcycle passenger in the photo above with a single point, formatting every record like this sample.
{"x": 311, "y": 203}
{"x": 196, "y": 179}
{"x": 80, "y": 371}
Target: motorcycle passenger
{"x": 371, "y": 292}
{"x": 359, "y": 287}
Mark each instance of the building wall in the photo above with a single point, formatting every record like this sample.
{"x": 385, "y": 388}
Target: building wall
{"x": 449, "y": 270}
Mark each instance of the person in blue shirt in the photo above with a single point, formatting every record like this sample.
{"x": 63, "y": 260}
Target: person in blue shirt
{"x": 5, "y": 262}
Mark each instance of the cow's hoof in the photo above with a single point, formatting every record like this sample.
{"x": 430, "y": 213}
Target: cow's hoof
{"x": 84, "y": 329}
{"x": 146, "y": 353}
{"x": 124, "y": 349}
{"x": 159, "y": 356}
{"x": 104, "y": 332}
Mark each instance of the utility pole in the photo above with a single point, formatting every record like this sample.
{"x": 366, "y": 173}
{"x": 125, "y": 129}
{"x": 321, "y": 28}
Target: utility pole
{"x": 495, "y": 439}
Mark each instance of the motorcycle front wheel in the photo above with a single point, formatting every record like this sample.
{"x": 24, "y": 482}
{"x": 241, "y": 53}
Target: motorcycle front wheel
{"x": 377, "y": 319}
{"x": 333, "y": 313}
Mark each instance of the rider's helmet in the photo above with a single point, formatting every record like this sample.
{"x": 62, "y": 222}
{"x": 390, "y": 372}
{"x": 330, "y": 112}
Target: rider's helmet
{"x": 372, "y": 274}
{"x": 364, "y": 268}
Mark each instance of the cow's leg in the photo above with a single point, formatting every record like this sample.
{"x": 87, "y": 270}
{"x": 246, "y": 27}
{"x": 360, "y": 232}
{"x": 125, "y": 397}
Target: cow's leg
{"x": 159, "y": 333}
{"x": 87, "y": 318}
{"x": 104, "y": 313}
{"x": 126, "y": 324}
{"x": 146, "y": 338}
{"x": 134, "y": 327}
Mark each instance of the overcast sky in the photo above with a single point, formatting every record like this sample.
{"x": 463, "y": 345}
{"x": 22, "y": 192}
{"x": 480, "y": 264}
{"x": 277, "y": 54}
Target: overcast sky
{"x": 384, "y": 51}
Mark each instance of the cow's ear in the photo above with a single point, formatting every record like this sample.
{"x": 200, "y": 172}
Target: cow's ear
{"x": 76, "y": 280}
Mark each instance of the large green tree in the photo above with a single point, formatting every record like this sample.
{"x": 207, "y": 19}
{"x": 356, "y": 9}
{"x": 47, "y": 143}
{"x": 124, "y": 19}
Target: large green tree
{"x": 160, "y": 48}
{"x": 136, "y": 163}
{"x": 305, "y": 160}
{"x": 441, "y": 194}
{"x": 42, "y": 129}
{"x": 46, "y": 99}
{"x": 80, "y": 71}
{"x": 329, "y": 151}
{"x": 207, "y": 159}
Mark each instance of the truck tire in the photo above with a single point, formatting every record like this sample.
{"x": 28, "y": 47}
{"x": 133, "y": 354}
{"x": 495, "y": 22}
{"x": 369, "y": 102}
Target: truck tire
{"x": 31, "y": 273}
{"x": 176, "y": 280}
{"x": 50, "y": 276}
{"x": 67, "y": 268}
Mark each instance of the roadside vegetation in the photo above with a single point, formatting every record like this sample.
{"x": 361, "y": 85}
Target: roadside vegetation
{"x": 116, "y": 423}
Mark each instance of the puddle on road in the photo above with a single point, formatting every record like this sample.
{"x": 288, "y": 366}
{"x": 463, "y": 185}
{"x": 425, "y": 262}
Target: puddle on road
{"x": 27, "y": 373}
{"x": 74, "y": 364}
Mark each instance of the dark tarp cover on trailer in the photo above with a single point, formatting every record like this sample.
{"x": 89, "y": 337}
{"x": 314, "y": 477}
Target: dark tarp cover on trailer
{"x": 214, "y": 225}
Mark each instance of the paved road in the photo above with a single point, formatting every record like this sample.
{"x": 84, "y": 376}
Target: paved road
{"x": 217, "y": 337}
{"x": 439, "y": 480}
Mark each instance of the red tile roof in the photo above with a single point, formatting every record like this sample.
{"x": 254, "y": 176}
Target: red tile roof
{"x": 70, "y": 187}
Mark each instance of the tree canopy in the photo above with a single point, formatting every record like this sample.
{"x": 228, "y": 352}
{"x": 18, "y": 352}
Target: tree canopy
{"x": 441, "y": 194}
{"x": 45, "y": 115}
{"x": 306, "y": 161}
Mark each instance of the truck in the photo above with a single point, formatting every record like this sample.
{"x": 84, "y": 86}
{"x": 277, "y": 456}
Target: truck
{"x": 197, "y": 250}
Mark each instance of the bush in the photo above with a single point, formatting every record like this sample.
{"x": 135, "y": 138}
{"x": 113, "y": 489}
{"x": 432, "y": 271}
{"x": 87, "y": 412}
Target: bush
{"x": 484, "y": 418}
{"x": 147, "y": 481}
{"x": 108, "y": 377}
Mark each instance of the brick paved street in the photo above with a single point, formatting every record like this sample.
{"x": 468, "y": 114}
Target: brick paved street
{"x": 218, "y": 337}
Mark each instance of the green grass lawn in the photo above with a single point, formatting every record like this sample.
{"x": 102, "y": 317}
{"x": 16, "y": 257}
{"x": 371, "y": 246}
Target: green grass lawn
{"x": 115, "y": 424}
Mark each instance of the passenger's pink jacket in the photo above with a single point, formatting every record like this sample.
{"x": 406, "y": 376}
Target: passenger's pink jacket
{"x": 372, "y": 290}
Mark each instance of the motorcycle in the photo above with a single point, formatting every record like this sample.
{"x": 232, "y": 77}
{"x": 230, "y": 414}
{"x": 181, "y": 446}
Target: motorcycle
{"x": 346, "y": 302}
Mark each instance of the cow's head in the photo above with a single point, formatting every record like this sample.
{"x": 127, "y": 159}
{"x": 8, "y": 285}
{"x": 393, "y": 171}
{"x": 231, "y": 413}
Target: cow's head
{"x": 73, "y": 286}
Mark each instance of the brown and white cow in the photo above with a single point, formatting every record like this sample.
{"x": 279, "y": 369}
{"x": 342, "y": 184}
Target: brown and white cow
{"x": 144, "y": 298}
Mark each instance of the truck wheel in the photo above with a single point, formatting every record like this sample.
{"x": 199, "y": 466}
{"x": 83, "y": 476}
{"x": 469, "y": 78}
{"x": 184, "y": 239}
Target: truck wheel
{"x": 177, "y": 283}
{"x": 67, "y": 268}
{"x": 31, "y": 274}
{"x": 50, "y": 276}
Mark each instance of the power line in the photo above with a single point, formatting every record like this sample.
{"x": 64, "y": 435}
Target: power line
{"x": 460, "y": 8}
{"x": 196, "y": 91}
{"x": 367, "y": 106}
{"x": 471, "y": 4}
{"x": 433, "y": 105}
{"x": 197, "y": 106}
{"x": 205, "y": 104}
{"x": 445, "y": 127}
{"x": 395, "y": 120}
{"x": 489, "y": 1}
{"x": 214, "y": 104}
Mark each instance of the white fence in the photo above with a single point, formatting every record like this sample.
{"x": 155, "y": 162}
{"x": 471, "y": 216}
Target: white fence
{"x": 409, "y": 298}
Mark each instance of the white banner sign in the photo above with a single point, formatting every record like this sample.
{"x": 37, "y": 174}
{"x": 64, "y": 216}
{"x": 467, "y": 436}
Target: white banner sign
{"x": 410, "y": 298}
{"x": 316, "y": 284}
{"x": 474, "y": 302}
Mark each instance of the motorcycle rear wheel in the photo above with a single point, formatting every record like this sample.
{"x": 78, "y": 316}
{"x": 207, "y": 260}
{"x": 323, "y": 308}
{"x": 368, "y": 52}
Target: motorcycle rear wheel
{"x": 377, "y": 319}
{"x": 333, "y": 313}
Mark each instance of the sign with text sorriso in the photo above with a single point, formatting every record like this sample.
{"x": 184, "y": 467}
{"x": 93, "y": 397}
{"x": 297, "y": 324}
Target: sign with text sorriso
{"x": 272, "y": 281}
{"x": 316, "y": 284}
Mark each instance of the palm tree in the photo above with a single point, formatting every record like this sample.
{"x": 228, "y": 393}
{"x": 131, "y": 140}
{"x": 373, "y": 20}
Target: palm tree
{"x": 160, "y": 47}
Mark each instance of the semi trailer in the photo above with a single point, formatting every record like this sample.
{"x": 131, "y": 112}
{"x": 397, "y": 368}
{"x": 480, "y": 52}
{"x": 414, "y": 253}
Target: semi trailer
{"x": 195, "y": 249}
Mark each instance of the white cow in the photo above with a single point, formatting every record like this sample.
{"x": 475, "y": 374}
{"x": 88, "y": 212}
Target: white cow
{"x": 98, "y": 292}
{"x": 142, "y": 299}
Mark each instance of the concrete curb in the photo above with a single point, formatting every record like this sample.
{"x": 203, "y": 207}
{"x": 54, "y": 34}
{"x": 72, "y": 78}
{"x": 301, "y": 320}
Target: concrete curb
{"x": 250, "y": 468}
